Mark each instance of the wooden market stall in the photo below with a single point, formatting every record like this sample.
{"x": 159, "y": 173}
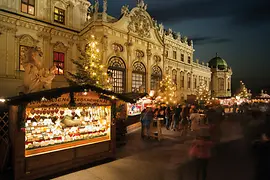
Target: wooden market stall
{"x": 59, "y": 129}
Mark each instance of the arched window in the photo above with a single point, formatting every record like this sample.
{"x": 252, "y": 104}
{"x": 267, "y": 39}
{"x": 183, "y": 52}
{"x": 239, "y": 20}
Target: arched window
{"x": 156, "y": 77}
{"x": 188, "y": 81}
{"x": 174, "y": 76}
{"x": 138, "y": 77}
{"x": 182, "y": 80}
{"x": 220, "y": 84}
{"x": 229, "y": 84}
{"x": 117, "y": 70}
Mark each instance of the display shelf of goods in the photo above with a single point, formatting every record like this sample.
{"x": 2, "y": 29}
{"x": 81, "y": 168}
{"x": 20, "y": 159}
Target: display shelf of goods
{"x": 134, "y": 109}
{"x": 52, "y": 129}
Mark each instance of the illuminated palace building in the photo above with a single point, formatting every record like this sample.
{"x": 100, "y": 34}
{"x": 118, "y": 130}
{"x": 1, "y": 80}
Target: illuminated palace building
{"x": 135, "y": 48}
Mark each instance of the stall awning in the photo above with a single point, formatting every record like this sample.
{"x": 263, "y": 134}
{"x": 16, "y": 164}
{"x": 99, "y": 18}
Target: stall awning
{"x": 134, "y": 96}
{"x": 57, "y": 92}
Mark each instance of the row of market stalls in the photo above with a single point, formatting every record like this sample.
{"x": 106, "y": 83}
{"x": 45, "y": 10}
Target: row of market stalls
{"x": 58, "y": 129}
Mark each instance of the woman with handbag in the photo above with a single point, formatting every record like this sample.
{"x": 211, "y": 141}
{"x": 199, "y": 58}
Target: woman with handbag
{"x": 200, "y": 151}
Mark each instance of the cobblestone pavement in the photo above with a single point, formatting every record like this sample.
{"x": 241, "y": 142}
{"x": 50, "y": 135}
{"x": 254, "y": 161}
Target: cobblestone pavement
{"x": 168, "y": 160}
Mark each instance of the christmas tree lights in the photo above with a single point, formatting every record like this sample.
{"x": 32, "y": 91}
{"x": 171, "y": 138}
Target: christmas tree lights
{"x": 243, "y": 92}
{"x": 203, "y": 93}
{"x": 167, "y": 91}
{"x": 90, "y": 69}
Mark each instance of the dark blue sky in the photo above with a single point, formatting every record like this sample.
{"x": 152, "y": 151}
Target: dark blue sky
{"x": 239, "y": 30}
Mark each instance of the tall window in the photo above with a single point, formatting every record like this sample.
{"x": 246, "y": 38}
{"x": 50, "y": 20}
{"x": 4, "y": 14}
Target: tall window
{"x": 194, "y": 82}
{"x": 28, "y": 6}
{"x": 138, "y": 77}
{"x": 59, "y": 62}
{"x": 23, "y": 51}
{"x": 117, "y": 70}
{"x": 174, "y": 76}
{"x": 220, "y": 84}
{"x": 182, "y": 57}
{"x": 59, "y": 15}
{"x": 189, "y": 59}
{"x": 188, "y": 81}
{"x": 182, "y": 80}
{"x": 156, "y": 77}
{"x": 166, "y": 53}
{"x": 174, "y": 55}
{"x": 229, "y": 85}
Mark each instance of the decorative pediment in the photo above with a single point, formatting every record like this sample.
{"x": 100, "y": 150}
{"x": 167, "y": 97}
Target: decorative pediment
{"x": 117, "y": 47}
{"x": 139, "y": 54}
{"x": 139, "y": 23}
{"x": 60, "y": 47}
{"x": 157, "y": 59}
{"x": 27, "y": 40}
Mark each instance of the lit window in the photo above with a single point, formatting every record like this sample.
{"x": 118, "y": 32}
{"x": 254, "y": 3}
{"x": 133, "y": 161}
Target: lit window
{"x": 174, "y": 55}
{"x": 138, "y": 77}
{"x": 117, "y": 71}
{"x": 189, "y": 59}
{"x": 59, "y": 15}
{"x": 182, "y": 57}
{"x": 156, "y": 77}
{"x": 59, "y": 61}
{"x": 28, "y": 6}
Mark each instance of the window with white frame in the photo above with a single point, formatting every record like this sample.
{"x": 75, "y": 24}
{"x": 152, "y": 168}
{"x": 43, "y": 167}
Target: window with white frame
{"x": 138, "y": 77}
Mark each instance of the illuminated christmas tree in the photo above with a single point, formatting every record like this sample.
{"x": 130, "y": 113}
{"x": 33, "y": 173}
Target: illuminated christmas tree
{"x": 203, "y": 93}
{"x": 243, "y": 92}
{"x": 90, "y": 69}
{"x": 167, "y": 91}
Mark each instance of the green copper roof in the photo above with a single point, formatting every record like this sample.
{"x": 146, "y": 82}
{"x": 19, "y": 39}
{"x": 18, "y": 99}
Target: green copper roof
{"x": 218, "y": 62}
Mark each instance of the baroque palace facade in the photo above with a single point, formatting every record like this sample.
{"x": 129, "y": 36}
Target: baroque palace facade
{"x": 135, "y": 48}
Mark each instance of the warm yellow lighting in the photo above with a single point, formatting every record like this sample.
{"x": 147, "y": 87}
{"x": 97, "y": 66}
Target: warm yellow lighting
{"x": 86, "y": 67}
{"x": 97, "y": 50}
{"x": 94, "y": 73}
{"x": 101, "y": 66}
{"x": 2, "y": 100}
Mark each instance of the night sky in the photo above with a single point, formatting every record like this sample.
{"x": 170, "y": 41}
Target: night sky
{"x": 237, "y": 29}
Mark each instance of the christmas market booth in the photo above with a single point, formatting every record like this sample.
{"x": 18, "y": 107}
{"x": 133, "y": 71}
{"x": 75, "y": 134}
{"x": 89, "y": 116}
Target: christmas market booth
{"x": 59, "y": 129}
{"x": 134, "y": 109}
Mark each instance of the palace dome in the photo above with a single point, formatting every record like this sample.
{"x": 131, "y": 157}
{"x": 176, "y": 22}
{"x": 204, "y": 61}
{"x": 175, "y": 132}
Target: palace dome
{"x": 218, "y": 62}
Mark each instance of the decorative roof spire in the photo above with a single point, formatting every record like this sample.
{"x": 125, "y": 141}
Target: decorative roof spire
{"x": 216, "y": 54}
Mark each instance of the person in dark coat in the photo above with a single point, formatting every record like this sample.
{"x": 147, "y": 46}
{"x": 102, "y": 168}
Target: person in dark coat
{"x": 262, "y": 157}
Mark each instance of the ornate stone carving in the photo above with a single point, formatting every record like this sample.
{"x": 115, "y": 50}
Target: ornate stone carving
{"x": 185, "y": 39}
{"x": 117, "y": 48}
{"x": 161, "y": 29}
{"x": 155, "y": 23}
{"x": 125, "y": 10}
{"x": 157, "y": 59}
{"x": 60, "y": 47}
{"x": 96, "y": 6}
{"x": 27, "y": 40}
{"x": 141, "y": 4}
{"x": 139, "y": 24}
{"x": 139, "y": 54}
{"x": 36, "y": 77}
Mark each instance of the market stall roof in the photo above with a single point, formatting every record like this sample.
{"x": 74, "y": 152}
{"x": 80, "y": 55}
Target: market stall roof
{"x": 57, "y": 92}
{"x": 134, "y": 96}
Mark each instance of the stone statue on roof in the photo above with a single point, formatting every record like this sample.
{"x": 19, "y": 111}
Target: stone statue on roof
{"x": 125, "y": 10}
{"x": 96, "y": 6}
